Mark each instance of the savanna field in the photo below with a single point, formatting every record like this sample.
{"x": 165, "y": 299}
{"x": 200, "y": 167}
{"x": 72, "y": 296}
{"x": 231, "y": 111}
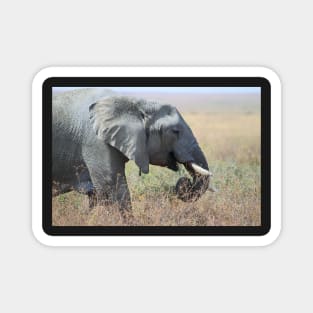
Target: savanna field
{"x": 231, "y": 144}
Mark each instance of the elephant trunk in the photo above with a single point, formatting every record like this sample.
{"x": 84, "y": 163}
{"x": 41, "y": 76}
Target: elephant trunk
{"x": 188, "y": 190}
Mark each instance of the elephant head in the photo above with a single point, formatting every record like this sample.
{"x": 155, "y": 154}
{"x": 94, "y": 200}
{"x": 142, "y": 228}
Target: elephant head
{"x": 152, "y": 133}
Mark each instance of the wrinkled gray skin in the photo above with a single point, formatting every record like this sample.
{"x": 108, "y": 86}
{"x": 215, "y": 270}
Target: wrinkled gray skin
{"x": 95, "y": 133}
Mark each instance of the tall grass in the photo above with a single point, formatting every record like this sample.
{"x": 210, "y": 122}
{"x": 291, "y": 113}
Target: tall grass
{"x": 231, "y": 143}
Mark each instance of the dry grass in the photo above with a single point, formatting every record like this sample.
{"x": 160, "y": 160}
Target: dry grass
{"x": 231, "y": 143}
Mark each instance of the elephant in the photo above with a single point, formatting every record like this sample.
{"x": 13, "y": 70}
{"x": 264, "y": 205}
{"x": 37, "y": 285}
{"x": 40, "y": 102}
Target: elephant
{"x": 95, "y": 131}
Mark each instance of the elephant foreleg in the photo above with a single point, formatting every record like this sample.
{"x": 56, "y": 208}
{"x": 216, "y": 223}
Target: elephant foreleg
{"x": 113, "y": 194}
{"x": 106, "y": 168}
{"x": 121, "y": 193}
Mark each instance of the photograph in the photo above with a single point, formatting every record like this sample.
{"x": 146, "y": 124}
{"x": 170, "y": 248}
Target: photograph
{"x": 156, "y": 156}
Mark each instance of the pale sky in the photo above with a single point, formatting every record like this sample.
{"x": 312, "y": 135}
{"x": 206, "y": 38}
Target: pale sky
{"x": 202, "y": 90}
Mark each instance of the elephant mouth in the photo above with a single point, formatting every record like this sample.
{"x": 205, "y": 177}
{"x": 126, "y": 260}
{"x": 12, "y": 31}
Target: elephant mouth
{"x": 191, "y": 166}
{"x": 194, "y": 169}
{"x": 172, "y": 163}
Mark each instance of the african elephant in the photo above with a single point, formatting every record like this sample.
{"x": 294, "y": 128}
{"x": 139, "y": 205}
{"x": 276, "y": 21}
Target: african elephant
{"x": 95, "y": 132}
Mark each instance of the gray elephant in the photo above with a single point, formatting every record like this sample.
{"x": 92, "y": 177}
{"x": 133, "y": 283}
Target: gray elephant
{"x": 95, "y": 132}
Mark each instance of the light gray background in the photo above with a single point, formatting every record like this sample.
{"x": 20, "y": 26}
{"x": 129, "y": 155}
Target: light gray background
{"x": 36, "y": 34}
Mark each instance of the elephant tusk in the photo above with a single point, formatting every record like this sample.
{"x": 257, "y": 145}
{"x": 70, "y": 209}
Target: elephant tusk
{"x": 201, "y": 170}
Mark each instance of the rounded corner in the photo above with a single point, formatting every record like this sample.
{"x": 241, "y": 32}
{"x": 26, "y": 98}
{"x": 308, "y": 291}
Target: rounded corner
{"x": 271, "y": 236}
{"x": 43, "y": 75}
{"x": 41, "y": 236}
{"x": 270, "y": 75}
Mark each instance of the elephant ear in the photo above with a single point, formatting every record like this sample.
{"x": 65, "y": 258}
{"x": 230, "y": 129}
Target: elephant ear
{"x": 120, "y": 123}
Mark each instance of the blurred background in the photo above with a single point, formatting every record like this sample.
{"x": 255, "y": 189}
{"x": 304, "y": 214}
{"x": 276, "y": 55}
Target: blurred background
{"x": 207, "y": 99}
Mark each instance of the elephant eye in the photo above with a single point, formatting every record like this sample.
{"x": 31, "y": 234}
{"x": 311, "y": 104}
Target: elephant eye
{"x": 175, "y": 131}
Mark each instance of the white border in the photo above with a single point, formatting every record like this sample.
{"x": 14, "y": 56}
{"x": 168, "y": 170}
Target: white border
{"x": 153, "y": 240}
